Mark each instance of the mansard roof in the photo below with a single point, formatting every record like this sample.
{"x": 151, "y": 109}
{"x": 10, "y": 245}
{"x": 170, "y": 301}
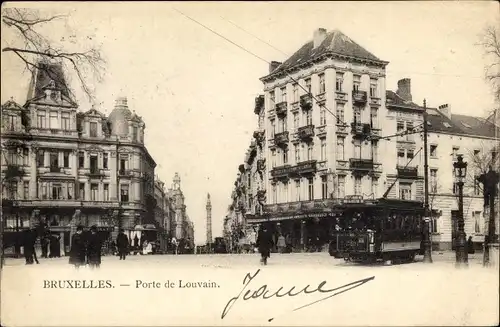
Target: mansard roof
{"x": 460, "y": 124}
{"x": 394, "y": 100}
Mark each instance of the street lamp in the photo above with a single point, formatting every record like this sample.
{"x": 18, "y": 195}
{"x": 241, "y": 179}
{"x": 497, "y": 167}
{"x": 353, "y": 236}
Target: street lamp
{"x": 460, "y": 170}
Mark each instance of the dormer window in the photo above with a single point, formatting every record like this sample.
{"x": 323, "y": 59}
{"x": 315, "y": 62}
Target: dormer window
{"x": 134, "y": 133}
{"x": 54, "y": 95}
{"x": 93, "y": 129}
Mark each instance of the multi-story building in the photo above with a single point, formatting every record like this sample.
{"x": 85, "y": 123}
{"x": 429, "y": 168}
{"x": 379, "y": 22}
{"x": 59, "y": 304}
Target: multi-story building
{"x": 331, "y": 133}
{"x": 181, "y": 225}
{"x": 62, "y": 167}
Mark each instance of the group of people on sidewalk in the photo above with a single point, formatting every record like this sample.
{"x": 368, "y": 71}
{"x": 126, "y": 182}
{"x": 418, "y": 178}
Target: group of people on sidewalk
{"x": 85, "y": 249}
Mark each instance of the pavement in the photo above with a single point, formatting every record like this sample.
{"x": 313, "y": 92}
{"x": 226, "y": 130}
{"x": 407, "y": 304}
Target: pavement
{"x": 162, "y": 290}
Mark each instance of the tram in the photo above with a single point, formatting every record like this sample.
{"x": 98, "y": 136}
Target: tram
{"x": 387, "y": 229}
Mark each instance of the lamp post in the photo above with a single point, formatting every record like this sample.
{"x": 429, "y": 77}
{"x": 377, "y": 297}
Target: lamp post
{"x": 460, "y": 170}
{"x": 490, "y": 182}
{"x": 426, "y": 230}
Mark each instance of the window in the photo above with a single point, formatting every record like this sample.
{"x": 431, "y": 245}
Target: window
{"x": 93, "y": 164}
{"x": 434, "y": 225}
{"x": 374, "y": 187}
{"x": 400, "y": 127}
{"x": 401, "y": 157}
{"x": 297, "y": 190}
{"x": 273, "y": 127}
{"x": 57, "y": 193}
{"x": 53, "y": 120}
{"x": 322, "y": 116}
{"x": 310, "y": 188}
{"x": 105, "y": 160}
{"x": 26, "y": 190}
{"x": 285, "y": 156}
{"x": 357, "y": 115}
{"x": 341, "y": 187}
{"x": 134, "y": 133}
{"x": 81, "y": 159}
{"x": 339, "y": 82}
{"x": 477, "y": 186}
{"x": 309, "y": 151}
{"x": 308, "y": 85}
{"x": 295, "y": 92}
{"x": 409, "y": 129}
{"x": 477, "y": 222}
{"x": 340, "y": 113}
{"x": 373, "y": 88}
{"x": 40, "y": 158}
{"x": 324, "y": 187}
{"x": 309, "y": 117}
{"x": 357, "y": 149}
{"x": 433, "y": 150}
{"x": 12, "y": 123}
{"x": 323, "y": 150}
{"x": 41, "y": 119}
{"x": 357, "y": 185}
{"x": 66, "y": 159}
{"x": 295, "y": 120}
{"x": 297, "y": 153}
{"x": 275, "y": 194}
{"x": 322, "y": 88}
{"x": 70, "y": 191}
{"x": 12, "y": 190}
{"x": 93, "y": 129}
{"x": 43, "y": 190}
{"x": 373, "y": 117}
{"x": 455, "y": 152}
{"x": 282, "y": 125}
{"x": 405, "y": 191}
{"x": 356, "y": 82}
{"x": 273, "y": 158}
{"x": 375, "y": 151}
{"x": 54, "y": 160}
{"x": 409, "y": 158}
{"x": 285, "y": 191}
{"x": 65, "y": 121}
{"x": 124, "y": 197}
{"x": 81, "y": 191}
{"x": 94, "y": 192}
{"x": 283, "y": 94}
{"x": 340, "y": 148}
{"x": 12, "y": 156}
{"x": 26, "y": 157}
{"x": 272, "y": 98}
{"x": 433, "y": 180}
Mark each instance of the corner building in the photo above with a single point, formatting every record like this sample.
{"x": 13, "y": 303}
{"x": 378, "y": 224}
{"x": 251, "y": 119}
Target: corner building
{"x": 323, "y": 111}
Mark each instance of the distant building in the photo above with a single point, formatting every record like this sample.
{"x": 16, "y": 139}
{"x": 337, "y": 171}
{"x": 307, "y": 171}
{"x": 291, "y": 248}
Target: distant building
{"x": 62, "y": 167}
{"x": 181, "y": 225}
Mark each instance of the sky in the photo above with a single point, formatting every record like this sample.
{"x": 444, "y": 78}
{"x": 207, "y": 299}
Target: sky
{"x": 195, "y": 90}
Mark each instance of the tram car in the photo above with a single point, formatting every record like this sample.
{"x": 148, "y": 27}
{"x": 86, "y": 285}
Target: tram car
{"x": 386, "y": 229}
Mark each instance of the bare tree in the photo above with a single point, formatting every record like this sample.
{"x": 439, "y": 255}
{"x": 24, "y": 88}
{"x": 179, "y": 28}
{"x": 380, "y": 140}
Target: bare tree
{"x": 32, "y": 46}
{"x": 490, "y": 41}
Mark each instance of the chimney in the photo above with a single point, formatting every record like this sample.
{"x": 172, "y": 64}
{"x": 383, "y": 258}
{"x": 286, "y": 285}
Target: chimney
{"x": 445, "y": 109}
{"x": 404, "y": 89}
{"x": 273, "y": 65}
{"x": 318, "y": 37}
{"x": 121, "y": 103}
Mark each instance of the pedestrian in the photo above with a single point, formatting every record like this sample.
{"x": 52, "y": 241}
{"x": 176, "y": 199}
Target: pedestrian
{"x": 470, "y": 246}
{"x": 264, "y": 243}
{"x": 122, "y": 244}
{"x": 281, "y": 243}
{"x": 45, "y": 245}
{"x": 78, "y": 251}
{"x": 29, "y": 247}
{"x": 94, "y": 246}
{"x": 55, "y": 246}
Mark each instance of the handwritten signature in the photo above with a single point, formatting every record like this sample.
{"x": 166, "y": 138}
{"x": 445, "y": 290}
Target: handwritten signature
{"x": 264, "y": 292}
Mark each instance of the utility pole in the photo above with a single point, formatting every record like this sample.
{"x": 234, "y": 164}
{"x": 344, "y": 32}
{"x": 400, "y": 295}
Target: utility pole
{"x": 426, "y": 231}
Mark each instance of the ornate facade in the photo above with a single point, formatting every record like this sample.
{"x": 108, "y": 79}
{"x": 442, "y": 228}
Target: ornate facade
{"x": 62, "y": 167}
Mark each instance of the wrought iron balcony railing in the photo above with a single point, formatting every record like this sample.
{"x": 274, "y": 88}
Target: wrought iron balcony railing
{"x": 408, "y": 172}
{"x": 359, "y": 97}
{"x": 281, "y": 139}
{"x": 306, "y": 102}
{"x": 361, "y": 164}
{"x": 305, "y": 167}
{"x": 281, "y": 108}
{"x": 259, "y": 104}
{"x": 306, "y": 132}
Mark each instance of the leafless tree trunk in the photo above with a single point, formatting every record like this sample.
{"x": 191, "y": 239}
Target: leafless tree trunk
{"x": 490, "y": 41}
{"x": 31, "y": 46}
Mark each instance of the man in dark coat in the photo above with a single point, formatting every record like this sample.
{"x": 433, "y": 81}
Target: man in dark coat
{"x": 45, "y": 245}
{"x": 94, "y": 245}
{"x": 77, "y": 252}
{"x": 122, "y": 244}
{"x": 29, "y": 247}
{"x": 264, "y": 243}
{"x": 55, "y": 246}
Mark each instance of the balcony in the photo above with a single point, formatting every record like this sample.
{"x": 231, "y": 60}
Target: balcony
{"x": 360, "y": 129}
{"x": 259, "y": 104}
{"x": 261, "y": 165}
{"x": 55, "y": 169}
{"x": 359, "y": 97}
{"x": 306, "y": 102}
{"x": 341, "y": 97}
{"x": 342, "y": 128}
{"x": 375, "y": 102}
{"x": 281, "y": 108}
{"x": 408, "y": 172}
{"x": 259, "y": 137}
{"x": 281, "y": 139}
{"x": 361, "y": 164}
{"x": 125, "y": 173}
{"x": 96, "y": 173}
{"x": 302, "y": 168}
{"x": 306, "y": 132}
